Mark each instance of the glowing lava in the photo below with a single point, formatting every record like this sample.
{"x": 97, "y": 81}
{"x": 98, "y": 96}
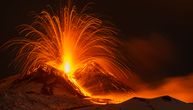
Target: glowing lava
{"x": 67, "y": 67}
{"x": 80, "y": 45}
{"x": 67, "y": 64}
{"x": 77, "y": 43}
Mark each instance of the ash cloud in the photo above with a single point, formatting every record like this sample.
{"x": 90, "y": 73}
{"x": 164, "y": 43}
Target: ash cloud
{"x": 177, "y": 87}
{"x": 153, "y": 56}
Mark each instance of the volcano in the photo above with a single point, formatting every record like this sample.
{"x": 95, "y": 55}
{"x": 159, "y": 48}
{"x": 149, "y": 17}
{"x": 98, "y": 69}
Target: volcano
{"x": 44, "y": 90}
{"x": 96, "y": 80}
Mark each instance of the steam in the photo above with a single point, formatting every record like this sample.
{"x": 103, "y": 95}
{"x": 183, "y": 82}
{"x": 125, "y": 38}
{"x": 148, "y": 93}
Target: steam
{"x": 180, "y": 87}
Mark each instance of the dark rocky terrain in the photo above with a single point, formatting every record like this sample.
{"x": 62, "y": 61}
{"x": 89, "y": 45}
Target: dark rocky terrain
{"x": 44, "y": 91}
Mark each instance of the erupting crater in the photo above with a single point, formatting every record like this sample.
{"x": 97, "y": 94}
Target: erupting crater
{"x": 80, "y": 45}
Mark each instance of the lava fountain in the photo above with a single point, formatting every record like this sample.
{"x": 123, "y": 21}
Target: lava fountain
{"x": 79, "y": 44}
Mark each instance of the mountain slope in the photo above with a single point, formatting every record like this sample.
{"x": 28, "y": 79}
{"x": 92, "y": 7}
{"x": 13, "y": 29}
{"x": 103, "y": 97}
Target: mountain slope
{"x": 44, "y": 91}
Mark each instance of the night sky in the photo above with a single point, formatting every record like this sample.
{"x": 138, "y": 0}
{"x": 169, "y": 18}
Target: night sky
{"x": 157, "y": 34}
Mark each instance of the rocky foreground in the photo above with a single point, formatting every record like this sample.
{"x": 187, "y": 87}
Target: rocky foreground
{"x": 51, "y": 92}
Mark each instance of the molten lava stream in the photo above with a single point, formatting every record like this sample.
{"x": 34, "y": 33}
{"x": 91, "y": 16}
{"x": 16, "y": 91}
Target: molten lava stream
{"x": 80, "y": 44}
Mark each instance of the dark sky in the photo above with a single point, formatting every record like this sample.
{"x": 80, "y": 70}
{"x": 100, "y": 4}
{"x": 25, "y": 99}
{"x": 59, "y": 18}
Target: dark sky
{"x": 158, "y": 33}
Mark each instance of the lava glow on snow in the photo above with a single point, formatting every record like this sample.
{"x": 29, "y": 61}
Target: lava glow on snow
{"x": 77, "y": 43}
{"x": 85, "y": 51}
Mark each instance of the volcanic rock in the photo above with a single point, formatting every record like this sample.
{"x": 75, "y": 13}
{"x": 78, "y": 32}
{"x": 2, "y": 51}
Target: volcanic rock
{"x": 47, "y": 91}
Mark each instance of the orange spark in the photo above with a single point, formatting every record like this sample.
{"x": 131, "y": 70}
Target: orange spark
{"x": 84, "y": 49}
{"x": 76, "y": 43}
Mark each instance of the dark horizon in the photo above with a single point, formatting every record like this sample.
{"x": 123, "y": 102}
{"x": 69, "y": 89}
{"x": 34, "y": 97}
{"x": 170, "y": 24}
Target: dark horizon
{"x": 158, "y": 35}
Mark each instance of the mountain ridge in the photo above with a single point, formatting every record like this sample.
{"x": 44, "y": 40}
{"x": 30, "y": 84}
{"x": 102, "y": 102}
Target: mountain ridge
{"x": 51, "y": 92}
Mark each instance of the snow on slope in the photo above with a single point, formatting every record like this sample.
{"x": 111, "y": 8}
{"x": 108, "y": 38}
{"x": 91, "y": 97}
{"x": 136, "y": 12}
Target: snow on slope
{"x": 43, "y": 91}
